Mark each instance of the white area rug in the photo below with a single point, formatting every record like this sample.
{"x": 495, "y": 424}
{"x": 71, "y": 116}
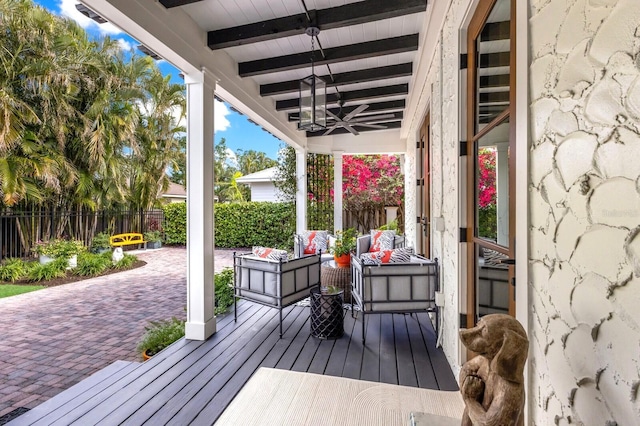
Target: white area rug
{"x": 282, "y": 397}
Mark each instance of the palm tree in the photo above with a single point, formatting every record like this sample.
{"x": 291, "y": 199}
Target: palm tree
{"x": 158, "y": 138}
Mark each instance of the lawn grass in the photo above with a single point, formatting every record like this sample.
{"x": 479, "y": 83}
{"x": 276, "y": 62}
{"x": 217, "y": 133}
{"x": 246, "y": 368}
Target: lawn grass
{"x": 7, "y": 290}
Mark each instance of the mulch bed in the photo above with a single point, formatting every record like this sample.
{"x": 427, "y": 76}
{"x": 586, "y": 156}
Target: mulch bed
{"x": 71, "y": 278}
{"x": 13, "y": 415}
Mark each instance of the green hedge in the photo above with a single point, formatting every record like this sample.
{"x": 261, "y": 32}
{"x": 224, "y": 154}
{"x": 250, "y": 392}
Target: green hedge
{"x": 175, "y": 223}
{"x": 239, "y": 224}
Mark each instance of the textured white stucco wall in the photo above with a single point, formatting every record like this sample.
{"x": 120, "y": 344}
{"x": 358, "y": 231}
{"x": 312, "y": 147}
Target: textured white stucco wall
{"x": 585, "y": 212}
{"x": 443, "y": 90}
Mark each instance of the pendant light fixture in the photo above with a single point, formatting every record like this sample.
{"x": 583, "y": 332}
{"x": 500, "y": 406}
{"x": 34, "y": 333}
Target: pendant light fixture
{"x": 313, "y": 95}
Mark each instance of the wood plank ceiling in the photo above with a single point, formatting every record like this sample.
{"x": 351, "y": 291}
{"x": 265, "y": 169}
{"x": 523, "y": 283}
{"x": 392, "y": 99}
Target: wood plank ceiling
{"x": 365, "y": 50}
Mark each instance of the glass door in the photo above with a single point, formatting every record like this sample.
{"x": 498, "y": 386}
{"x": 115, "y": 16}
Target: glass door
{"x": 491, "y": 161}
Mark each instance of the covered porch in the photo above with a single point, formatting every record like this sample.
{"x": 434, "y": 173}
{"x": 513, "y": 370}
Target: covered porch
{"x": 193, "y": 382}
{"x": 367, "y": 78}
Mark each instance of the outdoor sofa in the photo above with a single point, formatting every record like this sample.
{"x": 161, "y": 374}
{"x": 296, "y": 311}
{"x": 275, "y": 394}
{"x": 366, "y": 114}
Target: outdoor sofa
{"x": 363, "y": 243}
{"x": 405, "y": 287}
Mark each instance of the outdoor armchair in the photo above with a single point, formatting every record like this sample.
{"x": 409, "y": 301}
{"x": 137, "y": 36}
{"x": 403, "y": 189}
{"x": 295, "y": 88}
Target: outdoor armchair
{"x": 395, "y": 287}
{"x": 277, "y": 284}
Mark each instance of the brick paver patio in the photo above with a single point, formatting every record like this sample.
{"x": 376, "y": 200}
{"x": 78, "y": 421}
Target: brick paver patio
{"x": 53, "y": 338}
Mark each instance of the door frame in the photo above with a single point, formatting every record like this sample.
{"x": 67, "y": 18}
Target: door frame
{"x": 424, "y": 215}
{"x": 480, "y": 16}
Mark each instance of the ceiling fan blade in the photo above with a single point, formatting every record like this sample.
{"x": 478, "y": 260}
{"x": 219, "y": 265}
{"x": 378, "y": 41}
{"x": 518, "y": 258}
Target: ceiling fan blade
{"x": 371, "y": 126}
{"x": 372, "y": 118}
{"x": 349, "y": 128}
{"x": 355, "y": 112}
{"x": 333, "y": 115}
{"x": 331, "y": 129}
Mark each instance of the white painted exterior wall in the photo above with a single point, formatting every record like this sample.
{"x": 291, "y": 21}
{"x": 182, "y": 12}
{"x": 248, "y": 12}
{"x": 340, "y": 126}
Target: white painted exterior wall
{"x": 263, "y": 191}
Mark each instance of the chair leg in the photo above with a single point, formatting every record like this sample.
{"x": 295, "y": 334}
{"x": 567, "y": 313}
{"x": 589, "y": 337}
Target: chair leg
{"x": 363, "y": 328}
{"x": 235, "y": 308}
{"x": 280, "y": 310}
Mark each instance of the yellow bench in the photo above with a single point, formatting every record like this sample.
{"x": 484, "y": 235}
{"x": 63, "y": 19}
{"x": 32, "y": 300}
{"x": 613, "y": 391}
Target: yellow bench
{"x": 120, "y": 240}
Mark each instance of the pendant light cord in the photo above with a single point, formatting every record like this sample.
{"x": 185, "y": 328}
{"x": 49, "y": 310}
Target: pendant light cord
{"x": 306, "y": 11}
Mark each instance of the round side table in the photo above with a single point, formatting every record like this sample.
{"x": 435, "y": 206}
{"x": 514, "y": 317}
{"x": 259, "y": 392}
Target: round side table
{"x": 327, "y": 314}
{"x": 331, "y": 275}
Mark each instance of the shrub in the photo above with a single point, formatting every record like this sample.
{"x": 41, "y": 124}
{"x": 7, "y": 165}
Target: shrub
{"x": 126, "y": 261}
{"x": 100, "y": 241}
{"x": 59, "y": 248}
{"x": 160, "y": 334}
{"x": 239, "y": 224}
{"x": 393, "y": 226}
{"x": 92, "y": 264}
{"x": 255, "y": 224}
{"x": 175, "y": 223}
{"x": 48, "y": 271}
{"x": 224, "y": 290}
{"x": 488, "y": 222}
{"x": 152, "y": 236}
{"x": 12, "y": 270}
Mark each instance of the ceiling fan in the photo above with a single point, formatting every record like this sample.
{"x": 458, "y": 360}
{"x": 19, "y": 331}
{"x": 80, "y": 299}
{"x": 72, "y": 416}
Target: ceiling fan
{"x": 347, "y": 121}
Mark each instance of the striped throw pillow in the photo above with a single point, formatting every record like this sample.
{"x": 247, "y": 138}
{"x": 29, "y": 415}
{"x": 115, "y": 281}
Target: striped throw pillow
{"x": 270, "y": 253}
{"x": 399, "y": 255}
{"x": 381, "y": 240}
{"x": 314, "y": 241}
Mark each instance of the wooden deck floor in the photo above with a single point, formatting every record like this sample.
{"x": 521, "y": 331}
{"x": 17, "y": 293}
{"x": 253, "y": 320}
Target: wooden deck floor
{"x": 192, "y": 382}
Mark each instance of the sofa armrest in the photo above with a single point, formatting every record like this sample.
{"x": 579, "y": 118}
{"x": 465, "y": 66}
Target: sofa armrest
{"x": 298, "y": 246}
{"x": 362, "y": 245}
{"x": 399, "y": 241}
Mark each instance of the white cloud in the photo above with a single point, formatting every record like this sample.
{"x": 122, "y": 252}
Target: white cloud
{"x": 68, "y": 9}
{"x": 178, "y": 120}
{"x": 232, "y": 159}
{"x": 124, "y": 44}
{"x": 220, "y": 116}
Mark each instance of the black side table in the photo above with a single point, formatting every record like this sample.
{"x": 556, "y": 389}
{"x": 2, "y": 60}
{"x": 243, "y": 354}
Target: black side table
{"x": 327, "y": 313}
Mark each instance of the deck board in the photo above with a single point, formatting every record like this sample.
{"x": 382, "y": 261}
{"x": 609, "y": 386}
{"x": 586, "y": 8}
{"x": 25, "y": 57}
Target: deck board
{"x": 388, "y": 363}
{"x": 144, "y": 404}
{"x": 193, "y": 382}
{"x": 371, "y": 355}
{"x": 404, "y": 357}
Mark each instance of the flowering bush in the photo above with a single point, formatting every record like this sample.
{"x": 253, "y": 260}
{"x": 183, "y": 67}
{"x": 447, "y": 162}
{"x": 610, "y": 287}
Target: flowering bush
{"x": 486, "y": 177}
{"x": 59, "y": 248}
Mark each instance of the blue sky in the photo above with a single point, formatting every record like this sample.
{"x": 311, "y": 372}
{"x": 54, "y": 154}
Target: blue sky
{"x": 238, "y": 132}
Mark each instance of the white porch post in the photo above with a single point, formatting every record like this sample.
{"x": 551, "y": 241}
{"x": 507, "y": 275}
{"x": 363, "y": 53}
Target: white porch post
{"x": 301, "y": 192}
{"x": 337, "y": 191}
{"x": 201, "y": 322}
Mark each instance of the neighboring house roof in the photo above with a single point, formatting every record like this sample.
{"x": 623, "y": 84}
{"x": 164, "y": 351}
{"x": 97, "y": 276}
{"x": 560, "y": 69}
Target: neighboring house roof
{"x": 266, "y": 175}
{"x": 175, "y": 191}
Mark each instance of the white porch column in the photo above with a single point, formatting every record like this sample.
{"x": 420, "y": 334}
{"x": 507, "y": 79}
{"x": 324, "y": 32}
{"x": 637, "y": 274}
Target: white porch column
{"x": 301, "y": 192}
{"x": 201, "y": 322}
{"x": 337, "y": 191}
{"x": 502, "y": 192}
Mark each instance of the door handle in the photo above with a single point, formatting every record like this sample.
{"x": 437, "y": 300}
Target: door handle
{"x": 508, "y": 261}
